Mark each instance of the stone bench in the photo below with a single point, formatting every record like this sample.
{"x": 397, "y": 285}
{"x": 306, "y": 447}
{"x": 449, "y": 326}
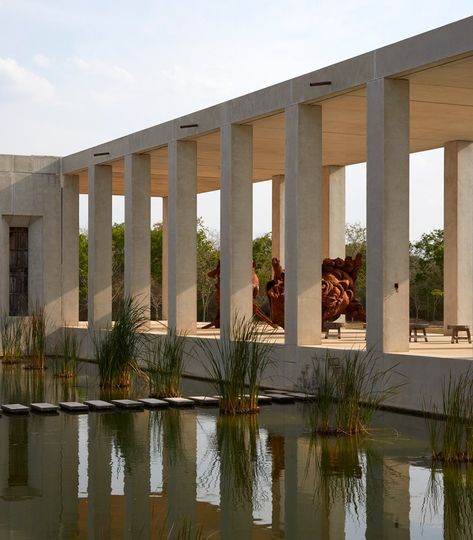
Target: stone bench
{"x": 455, "y": 328}
{"x": 414, "y": 327}
{"x": 333, "y": 326}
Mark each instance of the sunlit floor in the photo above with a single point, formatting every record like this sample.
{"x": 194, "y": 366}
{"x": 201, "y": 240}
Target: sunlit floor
{"x": 438, "y": 345}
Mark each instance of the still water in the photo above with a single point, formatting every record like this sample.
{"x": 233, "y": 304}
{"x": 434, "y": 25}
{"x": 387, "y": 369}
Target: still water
{"x": 159, "y": 474}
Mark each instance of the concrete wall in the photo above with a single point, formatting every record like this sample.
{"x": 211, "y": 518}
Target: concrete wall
{"x": 30, "y": 196}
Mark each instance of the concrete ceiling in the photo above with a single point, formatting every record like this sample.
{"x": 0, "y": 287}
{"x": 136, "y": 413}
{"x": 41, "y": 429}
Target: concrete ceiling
{"x": 441, "y": 110}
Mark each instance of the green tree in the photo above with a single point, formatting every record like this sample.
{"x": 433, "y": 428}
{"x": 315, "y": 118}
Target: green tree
{"x": 207, "y": 258}
{"x": 355, "y": 242}
{"x": 83, "y": 274}
{"x": 262, "y": 254}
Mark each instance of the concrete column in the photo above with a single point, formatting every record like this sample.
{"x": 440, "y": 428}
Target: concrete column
{"x": 70, "y": 250}
{"x": 100, "y": 246}
{"x": 387, "y": 205}
{"x": 333, "y": 212}
{"x": 137, "y": 228}
{"x": 458, "y": 239}
{"x": 303, "y": 238}
{"x": 182, "y": 239}
{"x": 278, "y": 218}
{"x": 165, "y": 259}
{"x": 236, "y": 223}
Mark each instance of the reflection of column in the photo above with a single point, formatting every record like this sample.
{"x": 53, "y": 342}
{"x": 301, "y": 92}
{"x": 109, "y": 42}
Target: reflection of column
{"x": 69, "y": 477}
{"x": 278, "y": 217}
{"x": 182, "y": 236}
{"x": 290, "y": 485}
{"x": 387, "y": 287}
{"x": 179, "y": 466}
{"x": 100, "y": 246}
{"x": 236, "y": 223}
{"x": 458, "y": 227}
{"x": 303, "y": 237}
{"x": 333, "y": 212}
{"x": 164, "y": 278}
{"x": 276, "y": 446}
{"x": 100, "y": 479}
{"x": 137, "y": 228}
{"x": 137, "y": 482}
{"x": 387, "y": 499}
{"x": 70, "y": 250}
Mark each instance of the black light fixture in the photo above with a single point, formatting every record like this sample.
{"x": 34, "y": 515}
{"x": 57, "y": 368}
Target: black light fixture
{"x": 98, "y": 154}
{"x": 321, "y": 83}
{"x": 189, "y": 126}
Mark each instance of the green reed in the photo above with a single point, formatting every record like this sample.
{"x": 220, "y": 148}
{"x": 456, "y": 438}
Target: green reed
{"x": 35, "y": 333}
{"x": 117, "y": 350}
{"x": 236, "y": 363}
{"x": 165, "y": 364}
{"x": 68, "y": 351}
{"x": 12, "y": 339}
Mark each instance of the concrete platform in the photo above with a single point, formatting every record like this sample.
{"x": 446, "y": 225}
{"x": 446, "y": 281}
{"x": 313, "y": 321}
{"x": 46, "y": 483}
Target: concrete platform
{"x": 154, "y": 403}
{"x": 128, "y": 404}
{"x": 99, "y": 405}
{"x": 73, "y": 406}
{"x": 180, "y": 402}
{"x": 15, "y": 408}
{"x": 205, "y": 401}
{"x": 47, "y": 408}
{"x": 301, "y": 396}
{"x": 281, "y": 398}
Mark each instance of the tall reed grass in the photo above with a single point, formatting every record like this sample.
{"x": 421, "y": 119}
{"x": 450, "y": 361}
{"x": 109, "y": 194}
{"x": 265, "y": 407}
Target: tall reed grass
{"x": 35, "y": 335}
{"x": 451, "y": 426}
{"x": 12, "y": 338}
{"x": 348, "y": 390}
{"x": 165, "y": 364}
{"x": 68, "y": 352}
{"x": 236, "y": 365}
{"x": 117, "y": 350}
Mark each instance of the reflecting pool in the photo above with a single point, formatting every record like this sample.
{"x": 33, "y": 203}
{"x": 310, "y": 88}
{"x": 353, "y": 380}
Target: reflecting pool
{"x": 195, "y": 474}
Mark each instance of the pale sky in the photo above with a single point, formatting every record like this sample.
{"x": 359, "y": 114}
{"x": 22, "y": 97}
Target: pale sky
{"x": 75, "y": 74}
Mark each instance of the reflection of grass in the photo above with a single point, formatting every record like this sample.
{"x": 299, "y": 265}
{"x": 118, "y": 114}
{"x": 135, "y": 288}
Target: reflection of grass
{"x": 457, "y": 491}
{"x": 236, "y": 365}
{"x": 451, "y": 437}
{"x": 12, "y": 338}
{"x": 165, "y": 364}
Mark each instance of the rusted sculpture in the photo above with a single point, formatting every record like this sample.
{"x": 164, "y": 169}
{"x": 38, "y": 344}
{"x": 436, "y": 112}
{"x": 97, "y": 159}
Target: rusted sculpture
{"x": 338, "y": 290}
{"x": 215, "y": 274}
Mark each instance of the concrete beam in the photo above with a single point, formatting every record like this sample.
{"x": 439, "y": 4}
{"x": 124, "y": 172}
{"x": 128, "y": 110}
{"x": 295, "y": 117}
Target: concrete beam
{"x": 303, "y": 238}
{"x": 388, "y": 216}
{"x": 236, "y": 223}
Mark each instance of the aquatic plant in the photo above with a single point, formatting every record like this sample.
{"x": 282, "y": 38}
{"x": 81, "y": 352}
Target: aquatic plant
{"x": 236, "y": 365}
{"x": 349, "y": 390}
{"x": 35, "y": 334}
{"x": 12, "y": 339}
{"x": 165, "y": 364}
{"x": 68, "y": 352}
{"x": 117, "y": 350}
{"x": 451, "y": 427}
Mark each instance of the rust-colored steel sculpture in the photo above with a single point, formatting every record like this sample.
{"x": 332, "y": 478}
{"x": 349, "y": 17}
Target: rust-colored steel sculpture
{"x": 338, "y": 290}
{"x": 215, "y": 274}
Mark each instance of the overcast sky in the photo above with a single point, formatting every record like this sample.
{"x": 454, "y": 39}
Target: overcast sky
{"x": 74, "y": 74}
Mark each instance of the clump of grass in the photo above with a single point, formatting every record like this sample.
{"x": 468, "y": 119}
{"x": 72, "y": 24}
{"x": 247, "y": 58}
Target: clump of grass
{"x": 35, "y": 334}
{"x": 451, "y": 427}
{"x": 165, "y": 364}
{"x": 349, "y": 391}
{"x": 69, "y": 353}
{"x": 117, "y": 350}
{"x": 236, "y": 365}
{"x": 12, "y": 338}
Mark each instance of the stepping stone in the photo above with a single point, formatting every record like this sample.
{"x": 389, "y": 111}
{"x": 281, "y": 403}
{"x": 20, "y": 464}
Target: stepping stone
{"x": 204, "y": 400}
{"x": 99, "y": 405}
{"x": 15, "y": 408}
{"x": 44, "y": 407}
{"x": 154, "y": 403}
{"x": 73, "y": 406}
{"x": 128, "y": 404}
{"x": 301, "y": 396}
{"x": 281, "y": 398}
{"x": 179, "y": 402}
{"x": 262, "y": 399}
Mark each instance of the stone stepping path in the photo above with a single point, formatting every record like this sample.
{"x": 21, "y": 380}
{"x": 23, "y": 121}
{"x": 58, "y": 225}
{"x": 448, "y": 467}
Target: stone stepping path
{"x": 99, "y": 405}
{"x": 15, "y": 408}
{"x": 179, "y": 402}
{"x": 301, "y": 396}
{"x": 205, "y": 401}
{"x": 154, "y": 403}
{"x": 281, "y": 398}
{"x": 73, "y": 406}
{"x": 128, "y": 404}
{"x": 44, "y": 407}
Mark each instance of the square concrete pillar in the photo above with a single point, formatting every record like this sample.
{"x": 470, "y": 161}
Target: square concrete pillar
{"x": 70, "y": 250}
{"x": 303, "y": 237}
{"x": 387, "y": 289}
{"x": 100, "y": 246}
{"x": 458, "y": 237}
{"x": 236, "y": 223}
{"x": 165, "y": 258}
{"x": 277, "y": 215}
{"x": 182, "y": 236}
{"x": 333, "y": 212}
{"x": 137, "y": 228}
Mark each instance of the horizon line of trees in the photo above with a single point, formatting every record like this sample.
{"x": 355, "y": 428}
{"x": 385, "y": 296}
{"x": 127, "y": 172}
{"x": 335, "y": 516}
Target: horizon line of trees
{"x": 426, "y": 269}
